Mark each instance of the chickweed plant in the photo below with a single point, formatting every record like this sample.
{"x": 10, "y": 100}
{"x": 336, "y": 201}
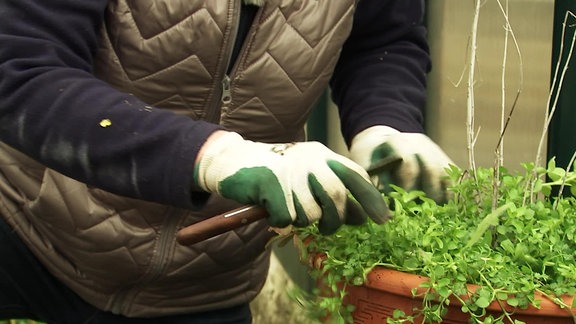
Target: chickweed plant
{"x": 512, "y": 251}
{"x": 513, "y": 234}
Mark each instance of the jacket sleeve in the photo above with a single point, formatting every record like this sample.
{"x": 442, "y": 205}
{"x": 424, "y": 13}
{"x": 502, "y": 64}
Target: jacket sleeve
{"x": 53, "y": 109}
{"x": 380, "y": 78}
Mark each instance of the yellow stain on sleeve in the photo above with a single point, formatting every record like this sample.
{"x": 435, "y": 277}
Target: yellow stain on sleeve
{"x": 105, "y": 123}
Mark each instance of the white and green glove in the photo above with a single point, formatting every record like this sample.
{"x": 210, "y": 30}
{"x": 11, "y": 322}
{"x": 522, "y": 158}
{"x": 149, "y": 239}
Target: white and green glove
{"x": 420, "y": 163}
{"x": 297, "y": 183}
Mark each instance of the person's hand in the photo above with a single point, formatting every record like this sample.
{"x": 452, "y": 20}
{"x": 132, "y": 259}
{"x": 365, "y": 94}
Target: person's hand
{"x": 420, "y": 163}
{"x": 297, "y": 183}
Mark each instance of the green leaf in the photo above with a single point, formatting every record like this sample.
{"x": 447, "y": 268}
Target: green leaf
{"x": 512, "y": 302}
{"x": 397, "y": 313}
{"x": 508, "y": 246}
{"x": 490, "y": 220}
{"x": 482, "y": 302}
{"x": 573, "y": 190}
{"x": 444, "y": 291}
{"x": 551, "y": 164}
{"x": 556, "y": 174}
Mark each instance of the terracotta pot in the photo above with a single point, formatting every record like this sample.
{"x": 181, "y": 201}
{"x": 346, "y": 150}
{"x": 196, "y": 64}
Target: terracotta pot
{"x": 386, "y": 290}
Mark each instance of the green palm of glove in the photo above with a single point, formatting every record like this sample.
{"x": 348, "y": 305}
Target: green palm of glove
{"x": 419, "y": 164}
{"x": 298, "y": 183}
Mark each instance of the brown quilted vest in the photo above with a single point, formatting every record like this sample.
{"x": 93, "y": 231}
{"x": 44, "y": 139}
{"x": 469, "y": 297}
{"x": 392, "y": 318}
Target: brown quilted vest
{"x": 120, "y": 254}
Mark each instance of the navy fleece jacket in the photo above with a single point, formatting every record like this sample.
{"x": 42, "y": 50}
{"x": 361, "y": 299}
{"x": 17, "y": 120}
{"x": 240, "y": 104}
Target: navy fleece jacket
{"x": 53, "y": 109}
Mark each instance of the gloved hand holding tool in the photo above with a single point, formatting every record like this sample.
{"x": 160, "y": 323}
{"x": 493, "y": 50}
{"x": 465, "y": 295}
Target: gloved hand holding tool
{"x": 297, "y": 183}
{"x": 422, "y": 165}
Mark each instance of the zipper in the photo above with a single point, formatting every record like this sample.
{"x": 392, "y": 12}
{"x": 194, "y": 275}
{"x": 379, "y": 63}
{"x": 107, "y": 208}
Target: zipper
{"x": 227, "y": 79}
{"x": 226, "y": 97}
{"x": 215, "y": 107}
{"x": 122, "y": 300}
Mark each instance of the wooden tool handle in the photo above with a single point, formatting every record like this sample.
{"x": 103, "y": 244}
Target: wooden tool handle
{"x": 220, "y": 224}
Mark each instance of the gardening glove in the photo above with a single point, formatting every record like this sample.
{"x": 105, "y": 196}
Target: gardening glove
{"x": 297, "y": 183}
{"x": 409, "y": 160}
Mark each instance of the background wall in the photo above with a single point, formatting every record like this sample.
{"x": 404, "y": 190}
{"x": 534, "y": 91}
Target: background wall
{"x": 449, "y": 24}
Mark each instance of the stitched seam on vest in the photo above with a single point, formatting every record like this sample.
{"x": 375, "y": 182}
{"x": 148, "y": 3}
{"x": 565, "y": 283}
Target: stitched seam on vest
{"x": 136, "y": 27}
{"x": 311, "y": 47}
{"x": 284, "y": 71}
{"x": 151, "y": 75}
{"x": 171, "y": 67}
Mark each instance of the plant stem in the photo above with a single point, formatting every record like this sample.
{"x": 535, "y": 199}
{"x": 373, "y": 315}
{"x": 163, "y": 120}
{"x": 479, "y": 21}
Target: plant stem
{"x": 500, "y": 146}
{"x": 509, "y": 33}
{"x": 505, "y": 120}
{"x": 470, "y": 98}
{"x": 553, "y": 97}
{"x": 556, "y": 85}
{"x": 566, "y": 177}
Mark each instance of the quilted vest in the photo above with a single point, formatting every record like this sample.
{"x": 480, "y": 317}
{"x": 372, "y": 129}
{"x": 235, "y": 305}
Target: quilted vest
{"x": 120, "y": 254}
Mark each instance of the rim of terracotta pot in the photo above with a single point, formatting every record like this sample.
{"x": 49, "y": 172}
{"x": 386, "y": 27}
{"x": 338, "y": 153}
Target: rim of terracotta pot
{"x": 381, "y": 278}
